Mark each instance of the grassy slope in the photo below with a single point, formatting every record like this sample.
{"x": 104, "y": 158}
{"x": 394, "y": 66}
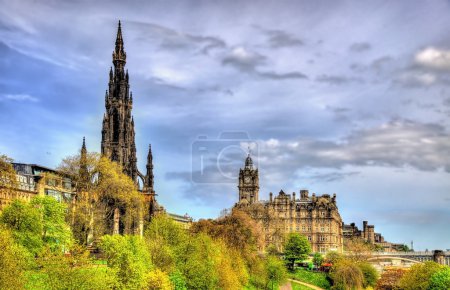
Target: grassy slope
{"x": 315, "y": 278}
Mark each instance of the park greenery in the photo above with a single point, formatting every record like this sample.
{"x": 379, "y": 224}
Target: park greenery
{"x": 44, "y": 245}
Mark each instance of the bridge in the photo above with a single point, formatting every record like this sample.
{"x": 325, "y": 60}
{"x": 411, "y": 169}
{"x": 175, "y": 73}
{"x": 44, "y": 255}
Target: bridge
{"x": 382, "y": 260}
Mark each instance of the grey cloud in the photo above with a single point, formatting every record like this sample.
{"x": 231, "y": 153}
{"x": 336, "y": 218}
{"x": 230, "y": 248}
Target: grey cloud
{"x": 280, "y": 38}
{"x": 282, "y": 76}
{"x": 244, "y": 59}
{"x": 395, "y": 144}
{"x": 446, "y": 102}
{"x": 248, "y": 61}
{"x": 331, "y": 176}
{"x": 337, "y": 80}
{"x": 360, "y": 46}
{"x": 174, "y": 40}
{"x": 379, "y": 63}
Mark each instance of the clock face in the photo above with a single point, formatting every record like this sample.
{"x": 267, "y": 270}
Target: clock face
{"x": 247, "y": 179}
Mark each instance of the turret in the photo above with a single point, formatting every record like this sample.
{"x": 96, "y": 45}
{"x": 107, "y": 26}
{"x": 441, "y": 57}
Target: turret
{"x": 119, "y": 55}
{"x": 149, "y": 176}
{"x": 83, "y": 171}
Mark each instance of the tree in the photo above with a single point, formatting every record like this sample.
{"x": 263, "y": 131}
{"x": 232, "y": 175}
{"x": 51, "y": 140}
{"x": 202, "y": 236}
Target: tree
{"x": 25, "y": 223}
{"x": 70, "y": 272}
{"x": 346, "y": 275}
{"x": 178, "y": 280}
{"x": 56, "y": 233}
{"x": 318, "y": 259}
{"x": 370, "y": 274}
{"x": 297, "y": 247}
{"x": 129, "y": 258}
{"x": 8, "y": 179}
{"x": 158, "y": 280}
{"x": 104, "y": 192}
{"x": 276, "y": 272}
{"x": 389, "y": 279}
{"x": 12, "y": 261}
{"x": 440, "y": 279}
{"x": 333, "y": 257}
{"x": 357, "y": 249}
{"x": 419, "y": 275}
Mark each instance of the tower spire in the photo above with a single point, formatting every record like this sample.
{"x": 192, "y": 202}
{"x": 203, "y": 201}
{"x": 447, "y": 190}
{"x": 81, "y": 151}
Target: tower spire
{"x": 119, "y": 55}
{"x": 83, "y": 171}
{"x": 149, "y": 176}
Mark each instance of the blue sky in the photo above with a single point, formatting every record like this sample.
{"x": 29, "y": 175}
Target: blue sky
{"x": 345, "y": 97}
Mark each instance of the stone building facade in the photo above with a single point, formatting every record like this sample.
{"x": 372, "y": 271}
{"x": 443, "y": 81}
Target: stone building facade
{"x": 368, "y": 234}
{"x": 316, "y": 217}
{"x": 36, "y": 180}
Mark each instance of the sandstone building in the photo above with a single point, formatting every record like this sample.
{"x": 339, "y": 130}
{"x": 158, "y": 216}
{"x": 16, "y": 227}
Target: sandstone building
{"x": 316, "y": 217}
{"x": 34, "y": 180}
{"x": 368, "y": 235}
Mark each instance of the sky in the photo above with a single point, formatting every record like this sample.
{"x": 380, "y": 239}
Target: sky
{"x": 345, "y": 97}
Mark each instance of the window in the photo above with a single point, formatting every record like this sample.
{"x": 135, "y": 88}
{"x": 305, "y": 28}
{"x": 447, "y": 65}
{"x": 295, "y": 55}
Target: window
{"x": 309, "y": 238}
{"x": 56, "y": 194}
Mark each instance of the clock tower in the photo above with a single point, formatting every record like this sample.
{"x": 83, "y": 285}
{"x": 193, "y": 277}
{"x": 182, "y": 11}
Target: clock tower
{"x": 248, "y": 183}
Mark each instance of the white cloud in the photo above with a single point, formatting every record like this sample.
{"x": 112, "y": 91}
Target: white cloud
{"x": 18, "y": 98}
{"x": 434, "y": 58}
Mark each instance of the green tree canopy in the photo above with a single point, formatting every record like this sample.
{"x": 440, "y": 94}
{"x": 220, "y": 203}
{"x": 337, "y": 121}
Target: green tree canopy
{"x": 25, "y": 223}
{"x": 276, "y": 272}
{"x": 8, "y": 179}
{"x": 318, "y": 259}
{"x": 346, "y": 275}
{"x": 55, "y": 232}
{"x": 12, "y": 262}
{"x": 440, "y": 279}
{"x": 419, "y": 275}
{"x": 296, "y": 247}
{"x": 129, "y": 258}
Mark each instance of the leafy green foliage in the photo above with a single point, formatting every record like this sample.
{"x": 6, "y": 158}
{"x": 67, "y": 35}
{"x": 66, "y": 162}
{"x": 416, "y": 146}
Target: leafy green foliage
{"x": 318, "y": 279}
{"x": 370, "y": 274}
{"x": 56, "y": 233}
{"x": 72, "y": 272}
{"x": 346, "y": 275}
{"x": 419, "y": 275}
{"x": 440, "y": 279}
{"x": 128, "y": 257}
{"x": 318, "y": 259}
{"x": 25, "y": 223}
{"x": 297, "y": 247}
{"x": 178, "y": 281}
{"x": 276, "y": 272}
{"x": 7, "y": 173}
{"x": 333, "y": 257}
{"x": 158, "y": 280}
{"x": 12, "y": 262}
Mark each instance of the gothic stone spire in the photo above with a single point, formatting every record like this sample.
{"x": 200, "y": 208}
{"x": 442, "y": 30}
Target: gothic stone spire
{"x": 118, "y": 139}
{"x": 83, "y": 171}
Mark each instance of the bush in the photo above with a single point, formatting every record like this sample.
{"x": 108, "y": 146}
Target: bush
{"x": 370, "y": 274}
{"x": 12, "y": 262}
{"x": 128, "y": 256}
{"x": 441, "y": 279}
{"x": 158, "y": 280}
{"x": 419, "y": 275}
{"x": 346, "y": 275}
{"x": 389, "y": 279}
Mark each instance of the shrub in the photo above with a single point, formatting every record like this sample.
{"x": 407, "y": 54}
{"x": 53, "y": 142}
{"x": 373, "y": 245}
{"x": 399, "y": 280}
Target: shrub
{"x": 370, "y": 274}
